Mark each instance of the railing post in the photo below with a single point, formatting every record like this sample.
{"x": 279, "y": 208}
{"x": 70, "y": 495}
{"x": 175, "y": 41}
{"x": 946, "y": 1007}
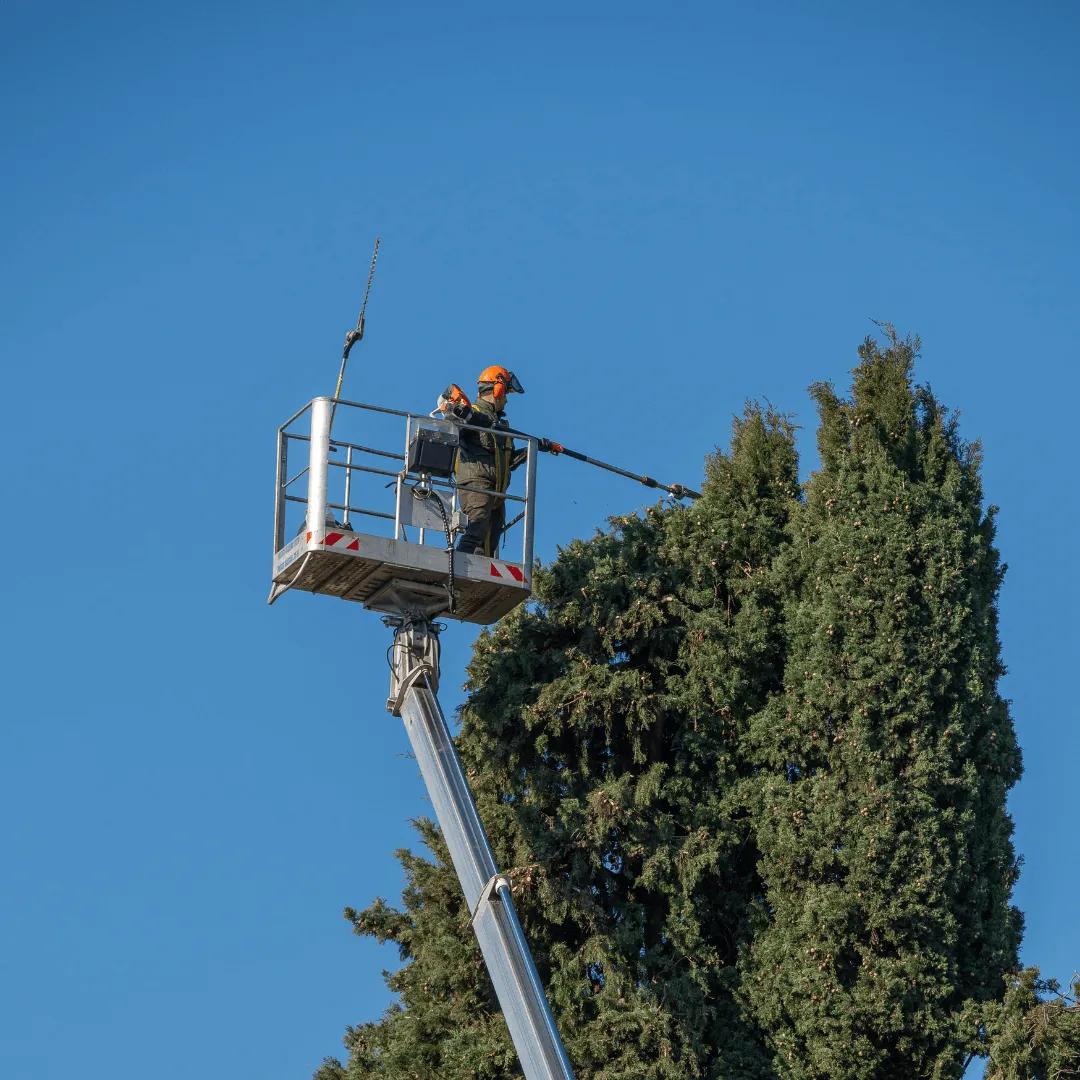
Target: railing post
{"x": 348, "y": 486}
{"x": 279, "y": 490}
{"x": 530, "y": 500}
{"x": 318, "y": 468}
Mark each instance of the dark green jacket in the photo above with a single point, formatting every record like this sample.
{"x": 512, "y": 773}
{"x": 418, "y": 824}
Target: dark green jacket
{"x": 484, "y": 458}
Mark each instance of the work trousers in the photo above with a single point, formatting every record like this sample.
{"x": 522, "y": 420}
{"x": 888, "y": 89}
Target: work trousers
{"x": 486, "y": 510}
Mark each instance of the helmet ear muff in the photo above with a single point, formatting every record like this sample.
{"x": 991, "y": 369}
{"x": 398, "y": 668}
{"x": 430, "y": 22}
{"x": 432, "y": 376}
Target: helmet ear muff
{"x": 498, "y": 391}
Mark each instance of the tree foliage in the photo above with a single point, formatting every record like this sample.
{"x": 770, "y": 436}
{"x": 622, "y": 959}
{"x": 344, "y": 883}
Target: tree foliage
{"x": 1034, "y": 1034}
{"x": 745, "y": 763}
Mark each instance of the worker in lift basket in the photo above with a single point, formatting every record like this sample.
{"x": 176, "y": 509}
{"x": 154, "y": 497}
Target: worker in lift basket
{"x": 485, "y": 460}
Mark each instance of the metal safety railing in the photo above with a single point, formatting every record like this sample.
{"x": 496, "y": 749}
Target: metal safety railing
{"x": 335, "y": 465}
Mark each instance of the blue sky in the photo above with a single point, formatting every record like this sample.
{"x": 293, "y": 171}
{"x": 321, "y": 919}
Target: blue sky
{"x": 649, "y": 214}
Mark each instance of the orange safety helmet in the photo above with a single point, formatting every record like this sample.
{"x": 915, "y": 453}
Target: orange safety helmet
{"x": 499, "y": 381}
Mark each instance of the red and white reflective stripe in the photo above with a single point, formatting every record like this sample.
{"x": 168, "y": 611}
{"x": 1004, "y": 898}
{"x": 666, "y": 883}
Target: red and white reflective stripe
{"x": 508, "y": 570}
{"x": 340, "y": 540}
{"x": 349, "y": 541}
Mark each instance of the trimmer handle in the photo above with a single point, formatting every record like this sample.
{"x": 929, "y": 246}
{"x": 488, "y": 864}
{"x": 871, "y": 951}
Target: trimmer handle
{"x": 451, "y": 396}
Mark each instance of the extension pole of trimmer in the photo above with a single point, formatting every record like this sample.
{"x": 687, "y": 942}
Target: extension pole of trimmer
{"x": 677, "y": 490}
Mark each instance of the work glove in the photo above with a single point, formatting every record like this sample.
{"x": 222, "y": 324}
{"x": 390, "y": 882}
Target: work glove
{"x": 550, "y": 447}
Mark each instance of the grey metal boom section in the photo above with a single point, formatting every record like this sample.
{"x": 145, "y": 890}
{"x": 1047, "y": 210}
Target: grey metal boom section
{"x": 506, "y": 953}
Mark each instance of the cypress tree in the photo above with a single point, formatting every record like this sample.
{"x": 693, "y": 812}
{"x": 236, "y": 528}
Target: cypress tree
{"x": 884, "y": 764}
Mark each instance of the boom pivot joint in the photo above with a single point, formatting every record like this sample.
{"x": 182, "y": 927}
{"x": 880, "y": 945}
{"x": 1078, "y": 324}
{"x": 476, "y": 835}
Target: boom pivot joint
{"x": 414, "y": 655}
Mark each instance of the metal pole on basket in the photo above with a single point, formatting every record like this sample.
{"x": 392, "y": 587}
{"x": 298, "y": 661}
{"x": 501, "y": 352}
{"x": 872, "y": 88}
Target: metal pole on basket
{"x": 318, "y": 467}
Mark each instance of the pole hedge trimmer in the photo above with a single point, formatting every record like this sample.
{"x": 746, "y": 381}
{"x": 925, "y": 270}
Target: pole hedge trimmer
{"x": 353, "y": 336}
{"x": 454, "y": 395}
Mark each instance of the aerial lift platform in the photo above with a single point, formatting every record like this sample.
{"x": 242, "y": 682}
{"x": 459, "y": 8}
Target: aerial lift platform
{"x": 332, "y": 557}
{"x": 401, "y": 563}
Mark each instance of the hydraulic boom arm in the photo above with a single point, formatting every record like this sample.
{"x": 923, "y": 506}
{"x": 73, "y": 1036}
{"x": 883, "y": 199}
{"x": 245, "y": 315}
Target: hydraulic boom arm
{"x": 414, "y": 683}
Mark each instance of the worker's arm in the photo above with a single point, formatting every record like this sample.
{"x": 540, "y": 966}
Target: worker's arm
{"x": 546, "y": 445}
{"x": 467, "y": 414}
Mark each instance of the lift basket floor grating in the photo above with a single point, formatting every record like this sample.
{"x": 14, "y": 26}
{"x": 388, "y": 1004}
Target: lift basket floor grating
{"x": 357, "y": 566}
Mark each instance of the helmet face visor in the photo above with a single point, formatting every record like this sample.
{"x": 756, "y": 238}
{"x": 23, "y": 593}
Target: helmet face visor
{"x": 513, "y": 384}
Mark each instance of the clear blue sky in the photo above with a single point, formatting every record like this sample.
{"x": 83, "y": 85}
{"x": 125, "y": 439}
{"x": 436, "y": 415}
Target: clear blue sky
{"x": 650, "y": 214}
